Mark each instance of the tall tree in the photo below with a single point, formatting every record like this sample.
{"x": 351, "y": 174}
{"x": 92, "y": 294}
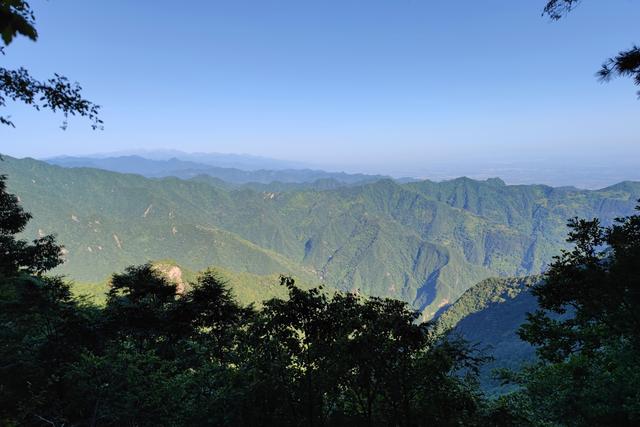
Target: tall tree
{"x": 42, "y": 327}
{"x": 321, "y": 359}
{"x": 16, "y": 255}
{"x": 589, "y": 370}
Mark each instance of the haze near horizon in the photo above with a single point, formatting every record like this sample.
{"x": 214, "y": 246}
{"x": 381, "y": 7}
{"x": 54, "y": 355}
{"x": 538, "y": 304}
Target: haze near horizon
{"x": 390, "y": 88}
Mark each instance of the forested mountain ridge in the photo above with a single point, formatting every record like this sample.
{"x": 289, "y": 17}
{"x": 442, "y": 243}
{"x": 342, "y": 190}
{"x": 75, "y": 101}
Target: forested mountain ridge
{"x": 423, "y": 242}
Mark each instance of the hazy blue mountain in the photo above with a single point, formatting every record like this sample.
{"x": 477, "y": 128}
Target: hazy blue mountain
{"x": 130, "y": 164}
{"x": 423, "y": 242}
{"x": 189, "y": 169}
{"x": 225, "y": 160}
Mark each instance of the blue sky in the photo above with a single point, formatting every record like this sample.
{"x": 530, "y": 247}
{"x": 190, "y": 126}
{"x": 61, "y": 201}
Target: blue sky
{"x": 375, "y": 85}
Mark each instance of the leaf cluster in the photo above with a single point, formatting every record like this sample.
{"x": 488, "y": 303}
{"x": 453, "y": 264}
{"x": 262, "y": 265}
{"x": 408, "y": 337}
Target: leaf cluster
{"x": 56, "y": 93}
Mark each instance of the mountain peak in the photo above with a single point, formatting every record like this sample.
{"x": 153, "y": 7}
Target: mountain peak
{"x": 496, "y": 182}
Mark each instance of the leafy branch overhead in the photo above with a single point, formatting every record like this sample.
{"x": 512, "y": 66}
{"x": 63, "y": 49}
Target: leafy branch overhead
{"x": 16, "y": 17}
{"x": 57, "y": 94}
{"x": 625, "y": 64}
{"x": 556, "y": 9}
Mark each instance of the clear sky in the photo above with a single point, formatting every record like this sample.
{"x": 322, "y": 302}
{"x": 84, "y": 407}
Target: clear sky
{"x": 379, "y": 85}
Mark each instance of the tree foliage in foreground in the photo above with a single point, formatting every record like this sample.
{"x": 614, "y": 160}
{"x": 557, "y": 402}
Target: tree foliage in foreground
{"x": 587, "y": 330}
{"x": 57, "y": 94}
{"x": 154, "y": 356}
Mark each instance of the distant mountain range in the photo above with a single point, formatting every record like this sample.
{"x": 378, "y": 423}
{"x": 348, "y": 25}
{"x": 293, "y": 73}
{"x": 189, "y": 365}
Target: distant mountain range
{"x": 224, "y": 160}
{"x": 592, "y": 174}
{"x": 423, "y": 242}
{"x": 185, "y": 169}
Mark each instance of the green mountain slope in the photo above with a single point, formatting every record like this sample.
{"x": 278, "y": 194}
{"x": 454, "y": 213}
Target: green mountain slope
{"x": 424, "y": 242}
{"x": 489, "y": 315}
{"x": 481, "y": 299}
